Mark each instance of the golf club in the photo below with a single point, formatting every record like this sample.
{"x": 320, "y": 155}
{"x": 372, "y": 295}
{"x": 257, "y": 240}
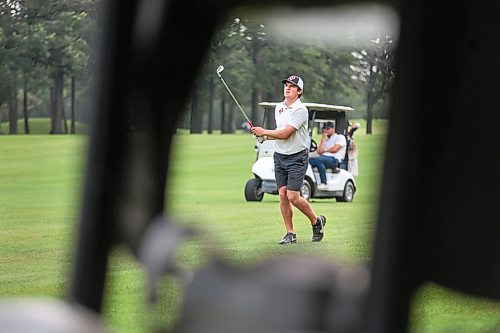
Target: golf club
{"x": 219, "y": 70}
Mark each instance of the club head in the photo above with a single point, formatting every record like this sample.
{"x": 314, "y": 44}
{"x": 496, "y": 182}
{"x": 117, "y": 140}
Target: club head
{"x": 220, "y": 69}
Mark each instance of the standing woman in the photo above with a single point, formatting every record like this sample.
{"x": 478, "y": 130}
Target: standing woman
{"x": 291, "y": 158}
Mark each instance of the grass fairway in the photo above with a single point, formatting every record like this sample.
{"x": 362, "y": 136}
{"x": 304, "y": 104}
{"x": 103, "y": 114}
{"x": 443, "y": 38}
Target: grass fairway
{"x": 39, "y": 189}
{"x": 40, "y": 185}
{"x": 207, "y": 190}
{"x": 41, "y": 126}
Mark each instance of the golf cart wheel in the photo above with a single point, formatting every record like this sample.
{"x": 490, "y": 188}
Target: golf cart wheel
{"x": 306, "y": 190}
{"x": 348, "y": 193}
{"x": 253, "y": 190}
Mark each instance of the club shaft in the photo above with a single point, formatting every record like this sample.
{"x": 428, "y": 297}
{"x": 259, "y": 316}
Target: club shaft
{"x": 236, "y": 101}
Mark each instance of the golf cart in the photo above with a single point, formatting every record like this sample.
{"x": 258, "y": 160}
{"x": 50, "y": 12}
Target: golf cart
{"x": 341, "y": 183}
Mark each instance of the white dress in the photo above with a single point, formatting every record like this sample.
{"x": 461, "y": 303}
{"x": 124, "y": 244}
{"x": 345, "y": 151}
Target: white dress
{"x": 352, "y": 153}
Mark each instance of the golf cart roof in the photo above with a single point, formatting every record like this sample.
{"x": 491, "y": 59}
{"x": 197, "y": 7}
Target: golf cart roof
{"x": 315, "y": 106}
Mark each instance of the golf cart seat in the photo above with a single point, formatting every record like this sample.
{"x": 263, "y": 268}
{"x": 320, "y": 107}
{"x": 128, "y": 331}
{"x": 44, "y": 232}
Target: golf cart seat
{"x": 344, "y": 165}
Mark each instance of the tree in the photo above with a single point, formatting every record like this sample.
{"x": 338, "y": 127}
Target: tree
{"x": 67, "y": 50}
{"x": 196, "y": 114}
{"x": 255, "y": 42}
{"x": 374, "y": 73}
{"x": 215, "y": 48}
{"x": 238, "y": 73}
{"x": 256, "y": 61}
{"x": 9, "y": 63}
{"x": 45, "y": 39}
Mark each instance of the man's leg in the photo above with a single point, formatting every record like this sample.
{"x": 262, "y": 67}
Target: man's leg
{"x": 287, "y": 214}
{"x": 302, "y": 205}
{"x": 317, "y": 223}
{"x": 318, "y": 163}
{"x": 329, "y": 162}
{"x": 281, "y": 176}
{"x": 286, "y": 209}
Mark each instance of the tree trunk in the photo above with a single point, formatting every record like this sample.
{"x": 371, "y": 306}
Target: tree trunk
{"x": 257, "y": 113}
{"x": 12, "y": 104}
{"x": 25, "y": 108}
{"x": 196, "y": 122}
{"x": 64, "y": 121}
{"x": 1, "y": 131}
{"x": 230, "y": 126}
{"x": 369, "y": 113}
{"x": 57, "y": 107}
{"x": 210, "y": 104}
{"x": 222, "y": 115}
{"x": 228, "y": 119}
{"x": 73, "y": 127}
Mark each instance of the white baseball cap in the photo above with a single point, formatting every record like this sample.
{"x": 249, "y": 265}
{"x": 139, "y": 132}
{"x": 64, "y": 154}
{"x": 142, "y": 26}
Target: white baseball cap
{"x": 296, "y": 80}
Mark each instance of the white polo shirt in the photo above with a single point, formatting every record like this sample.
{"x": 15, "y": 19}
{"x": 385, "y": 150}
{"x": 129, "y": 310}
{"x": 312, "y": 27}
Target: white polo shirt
{"x": 332, "y": 141}
{"x": 295, "y": 115}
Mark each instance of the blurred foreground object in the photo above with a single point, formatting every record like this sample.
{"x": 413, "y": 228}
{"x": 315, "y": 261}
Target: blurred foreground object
{"x": 282, "y": 294}
{"x": 48, "y": 316}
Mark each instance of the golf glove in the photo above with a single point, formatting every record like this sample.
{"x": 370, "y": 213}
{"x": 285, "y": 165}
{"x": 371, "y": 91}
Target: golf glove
{"x": 260, "y": 139}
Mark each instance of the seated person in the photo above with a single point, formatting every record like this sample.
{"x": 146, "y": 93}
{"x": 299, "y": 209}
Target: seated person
{"x": 331, "y": 152}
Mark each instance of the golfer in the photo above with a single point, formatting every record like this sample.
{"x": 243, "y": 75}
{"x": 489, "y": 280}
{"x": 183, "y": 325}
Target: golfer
{"x": 292, "y": 158}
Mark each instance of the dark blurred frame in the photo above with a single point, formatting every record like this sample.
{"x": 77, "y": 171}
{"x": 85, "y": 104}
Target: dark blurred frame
{"x": 437, "y": 217}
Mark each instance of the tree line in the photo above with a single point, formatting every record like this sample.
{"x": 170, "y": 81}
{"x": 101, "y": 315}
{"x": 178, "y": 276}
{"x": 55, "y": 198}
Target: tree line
{"x": 48, "y": 51}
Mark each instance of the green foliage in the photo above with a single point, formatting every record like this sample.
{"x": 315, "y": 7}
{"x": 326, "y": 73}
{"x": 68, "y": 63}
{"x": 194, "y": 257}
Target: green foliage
{"x": 40, "y": 191}
{"x": 39, "y": 39}
{"x": 256, "y": 61}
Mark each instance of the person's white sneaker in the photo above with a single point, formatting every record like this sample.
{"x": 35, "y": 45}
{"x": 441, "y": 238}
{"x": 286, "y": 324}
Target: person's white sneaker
{"x": 323, "y": 187}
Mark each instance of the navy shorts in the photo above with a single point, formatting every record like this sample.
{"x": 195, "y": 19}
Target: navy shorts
{"x": 289, "y": 170}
